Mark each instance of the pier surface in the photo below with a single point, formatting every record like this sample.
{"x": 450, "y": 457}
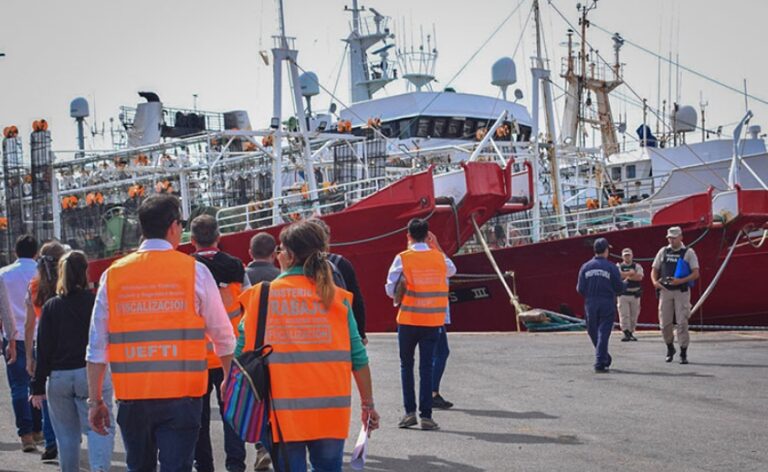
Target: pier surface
{"x": 531, "y": 402}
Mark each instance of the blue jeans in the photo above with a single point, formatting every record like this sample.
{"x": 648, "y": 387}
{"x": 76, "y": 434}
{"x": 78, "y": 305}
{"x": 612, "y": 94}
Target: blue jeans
{"x": 234, "y": 447}
{"x": 600, "y": 316}
{"x": 325, "y": 455}
{"x": 408, "y": 338}
{"x": 67, "y": 392}
{"x": 28, "y": 419}
{"x": 159, "y": 429}
{"x": 439, "y": 359}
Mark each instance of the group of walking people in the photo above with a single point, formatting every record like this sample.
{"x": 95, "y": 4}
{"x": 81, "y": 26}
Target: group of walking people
{"x": 608, "y": 288}
{"x": 160, "y": 332}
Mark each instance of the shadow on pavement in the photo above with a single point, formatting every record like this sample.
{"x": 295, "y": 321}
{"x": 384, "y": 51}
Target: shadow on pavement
{"x": 517, "y": 438}
{"x": 749, "y": 366}
{"x": 522, "y": 415}
{"x": 414, "y": 463}
{"x": 662, "y": 374}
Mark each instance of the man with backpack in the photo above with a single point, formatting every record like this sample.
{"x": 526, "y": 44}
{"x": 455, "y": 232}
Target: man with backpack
{"x": 674, "y": 270}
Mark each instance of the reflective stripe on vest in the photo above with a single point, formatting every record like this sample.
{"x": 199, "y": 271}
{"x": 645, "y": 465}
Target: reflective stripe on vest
{"x": 229, "y": 295}
{"x": 156, "y": 340}
{"x": 425, "y": 300}
{"x": 310, "y": 367}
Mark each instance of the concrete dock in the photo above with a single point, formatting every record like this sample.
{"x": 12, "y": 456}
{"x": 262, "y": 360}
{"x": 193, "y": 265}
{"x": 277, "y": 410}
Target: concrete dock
{"x": 530, "y": 402}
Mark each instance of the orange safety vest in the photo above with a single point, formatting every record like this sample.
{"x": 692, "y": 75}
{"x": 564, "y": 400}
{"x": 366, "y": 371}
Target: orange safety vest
{"x": 229, "y": 295}
{"x": 156, "y": 339}
{"x": 310, "y": 367}
{"x": 34, "y": 286}
{"x": 426, "y": 288}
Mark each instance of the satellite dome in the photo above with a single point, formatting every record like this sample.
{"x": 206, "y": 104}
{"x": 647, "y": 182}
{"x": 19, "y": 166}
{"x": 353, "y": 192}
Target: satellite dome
{"x": 309, "y": 84}
{"x": 78, "y": 108}
{"x": 503, "y": 72}
{"x": 684, "y": 119}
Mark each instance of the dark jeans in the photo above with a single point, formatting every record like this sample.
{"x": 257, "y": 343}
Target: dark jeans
{"x": 325, "y": 455}
{"x": 28, "y": 418}
{"x": 439, "y": 359}
{"x": 159, "y": 429}
{"x": 234, "y": 447}
{"x": 408, "y": 338}
{"x": 600, "y": 316}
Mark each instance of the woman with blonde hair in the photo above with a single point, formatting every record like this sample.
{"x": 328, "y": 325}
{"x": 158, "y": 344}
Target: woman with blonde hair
{"x": 62, "y": 340}
{"x": 316, "y": 348}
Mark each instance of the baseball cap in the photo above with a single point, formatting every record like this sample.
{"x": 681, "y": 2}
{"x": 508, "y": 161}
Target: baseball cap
{"x": 626, "y": 250}
{"x": 600, "y": 245}
{"x": 674, "y": 232}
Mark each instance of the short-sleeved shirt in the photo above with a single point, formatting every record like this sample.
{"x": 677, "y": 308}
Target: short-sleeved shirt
{"x": 690, "y": 257}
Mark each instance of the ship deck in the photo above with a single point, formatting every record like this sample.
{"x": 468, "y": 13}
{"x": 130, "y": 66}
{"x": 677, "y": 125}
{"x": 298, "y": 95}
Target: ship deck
{"x": 531, "y": 402}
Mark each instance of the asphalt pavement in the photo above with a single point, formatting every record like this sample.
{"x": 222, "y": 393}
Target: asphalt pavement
{"x": 530, "y": 402}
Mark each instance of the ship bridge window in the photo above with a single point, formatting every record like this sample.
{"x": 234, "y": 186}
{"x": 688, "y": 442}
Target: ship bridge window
{"x": 631, "y": 171}
{"x": 438, "y": 129}
{"x": 422, "y": 128}
{"x": 616, "y": 173}
{"x": 390, "y": 129}
{"x": 469, "y": 129}
{"x": 455, "y": 127}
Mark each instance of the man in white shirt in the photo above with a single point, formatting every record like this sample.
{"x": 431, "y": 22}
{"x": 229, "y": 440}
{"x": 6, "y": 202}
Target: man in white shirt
{"x": 153, "y": 311}
{"x": 14, "y": 282}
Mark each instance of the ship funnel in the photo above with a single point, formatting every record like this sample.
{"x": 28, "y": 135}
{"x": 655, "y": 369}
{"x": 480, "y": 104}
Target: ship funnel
{"x": 504, "y": 74}
{"x": 684, "y": 119}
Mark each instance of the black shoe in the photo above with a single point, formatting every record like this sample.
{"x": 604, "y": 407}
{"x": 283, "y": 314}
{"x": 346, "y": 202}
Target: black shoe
{"x": 50, "y": 453}
{"x": 602, "y": 370}
{"x": 440, "y": 402}
{"x": 670, "y": 352}
{"x": 684, "y": 355}
{"x": 632, "y": 336}
{"x": 627, "y": 336}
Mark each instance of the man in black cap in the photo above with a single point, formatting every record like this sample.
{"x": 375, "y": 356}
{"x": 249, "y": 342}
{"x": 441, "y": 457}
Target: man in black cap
{"x": 599, "y": 283}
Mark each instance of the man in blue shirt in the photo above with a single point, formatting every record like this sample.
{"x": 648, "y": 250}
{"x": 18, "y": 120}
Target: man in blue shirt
{"x": 599, "y": 283}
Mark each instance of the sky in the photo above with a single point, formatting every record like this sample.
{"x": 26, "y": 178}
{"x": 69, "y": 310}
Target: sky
{"x": 106, "y": 51}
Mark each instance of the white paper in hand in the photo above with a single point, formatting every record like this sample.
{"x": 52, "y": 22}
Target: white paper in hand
{"x": 357, "y": 462}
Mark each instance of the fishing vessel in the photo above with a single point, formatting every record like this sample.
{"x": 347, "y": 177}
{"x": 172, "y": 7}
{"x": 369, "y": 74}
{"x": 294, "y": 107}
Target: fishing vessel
{"x": 481, "y": 169}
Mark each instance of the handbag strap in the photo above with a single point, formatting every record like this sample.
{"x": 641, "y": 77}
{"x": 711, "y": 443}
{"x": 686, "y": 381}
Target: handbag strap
{"x": 261, "y": 323}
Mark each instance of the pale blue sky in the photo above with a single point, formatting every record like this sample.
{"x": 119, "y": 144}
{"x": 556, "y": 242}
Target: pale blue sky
{"x": 57, "y": 50}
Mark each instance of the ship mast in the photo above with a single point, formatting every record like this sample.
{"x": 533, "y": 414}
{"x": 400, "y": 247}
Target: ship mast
{"x": 284, "y": 50}
{"x": 541, "y": 78}
{"x": 366, "y": 78}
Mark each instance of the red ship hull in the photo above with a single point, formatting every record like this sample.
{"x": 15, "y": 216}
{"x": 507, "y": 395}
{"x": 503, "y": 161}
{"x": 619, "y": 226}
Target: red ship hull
{"x": 546, "y": 272}
{"x": 371, "y": 232}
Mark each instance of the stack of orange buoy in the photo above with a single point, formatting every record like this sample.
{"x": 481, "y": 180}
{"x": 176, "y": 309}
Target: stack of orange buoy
{"x": 3, "y": 223}
{"x": 480, "y": 133}
{"x": 372, "y": 123}
{"x": 502, "y": 131}
{"x": 164, "y": 186}
{"x": 39, "y": 125}
{"x": 10, "y": 131}
{"x": 136, "y": 191}
{"x": 141, "y": 160}
{"x": 69, "y": 203}
{"x": 94, "y": 198}
{"x": 592, "y": 204}
{"x": 268, "y": 140}
{"x": 614, "y": 200}
{"x": 344, "y": 126}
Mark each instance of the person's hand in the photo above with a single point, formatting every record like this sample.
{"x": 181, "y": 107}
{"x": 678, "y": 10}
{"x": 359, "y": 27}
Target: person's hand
{"x": 98, "y": 417}
{"x": 370, "y": 418}
{"x": 365, "y": 341}
{"x": 675, "y": 281}
{"x": 223, "y": 389}
{"x": 10, "y": 352}
{"x": 37, "y": 401}
{"x": 658, "y": 285}
{"x": 31, "y": 367}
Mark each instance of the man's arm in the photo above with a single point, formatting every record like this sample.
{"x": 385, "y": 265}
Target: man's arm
{"x": 616, "y": 281}
{"x": 358, "y": 303}
{"x": 637, "y": 274}
{"x": 211, "y": 308}
{"x": 395, "y": 271}
{"x": 29, "y": 334}
{"x": 581, "y": 283}
{"x": 9, "y": 324}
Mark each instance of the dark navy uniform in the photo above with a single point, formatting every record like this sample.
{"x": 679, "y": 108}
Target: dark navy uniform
{"x": 599, "y": 283}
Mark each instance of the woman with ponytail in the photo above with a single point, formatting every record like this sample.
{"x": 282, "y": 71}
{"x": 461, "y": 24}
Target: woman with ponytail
{"x": 63, "y": 337}
{"x": 42, "y": 287}
{"x": 316, "y": 347}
